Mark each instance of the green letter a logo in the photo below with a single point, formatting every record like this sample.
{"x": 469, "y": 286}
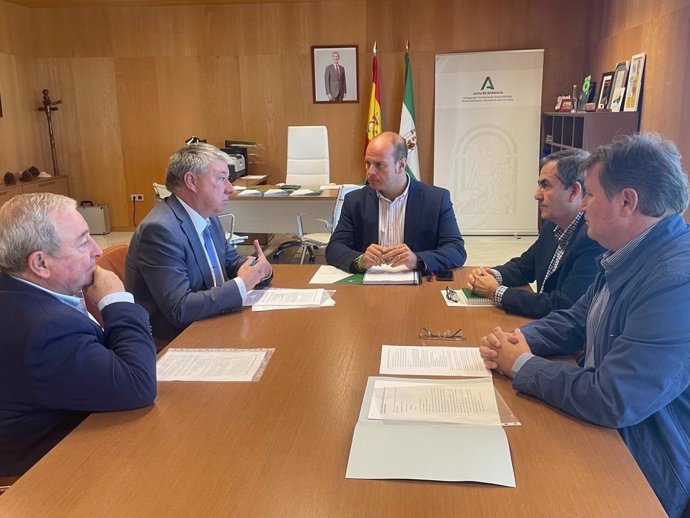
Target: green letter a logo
{"x": 488, "y": 84}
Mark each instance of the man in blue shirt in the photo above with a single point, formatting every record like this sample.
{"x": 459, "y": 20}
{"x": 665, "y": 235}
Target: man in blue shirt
{"x": 632, "y": 322}
{"x": 56, "y": 362}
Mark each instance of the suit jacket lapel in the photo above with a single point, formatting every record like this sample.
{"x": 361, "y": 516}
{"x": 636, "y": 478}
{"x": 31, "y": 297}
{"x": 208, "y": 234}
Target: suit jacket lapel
{"x": 193, "y": 238}
{"x": 414, "y": 206}
{"x": 371, "y": 210}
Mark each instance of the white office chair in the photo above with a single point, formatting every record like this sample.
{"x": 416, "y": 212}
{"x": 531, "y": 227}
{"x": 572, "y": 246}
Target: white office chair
{"x": 308, "y": 162}
{"x": 228, "y": 223}
{"x": 310, "y": 241}
{"x": 160, "y": 192}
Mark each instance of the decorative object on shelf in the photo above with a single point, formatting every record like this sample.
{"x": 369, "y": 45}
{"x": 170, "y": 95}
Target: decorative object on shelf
{"x": 48, "y": 107}
{"x": 566, "y": 104}
{"x": 605, "y": 91}
{"x": 588, "y": 87}
{"x": 618, "y": 86}
{"x": 9, "y": 178}
{"x": 34, "y": 171}
{"x": 591, "y": 107}
{"x": 26, "y": 176}
{"x": 634, "y": 88}
{"x": 573, "y": 107}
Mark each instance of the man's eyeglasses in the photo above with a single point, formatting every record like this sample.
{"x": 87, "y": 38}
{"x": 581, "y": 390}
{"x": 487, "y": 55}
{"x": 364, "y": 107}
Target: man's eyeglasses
{"x": 452, "y": 295}
{"x": 428, "y": 334}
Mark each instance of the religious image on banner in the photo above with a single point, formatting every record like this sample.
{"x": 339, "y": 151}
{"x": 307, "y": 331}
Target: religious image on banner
{"x": 485, "y": 165}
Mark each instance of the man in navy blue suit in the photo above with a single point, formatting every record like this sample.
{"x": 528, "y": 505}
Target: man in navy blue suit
{"x": 56, "y": 362}
{"x": 562, "y": 260}
{"x": 395, "y": 219}
{"x": 179, "y": 265}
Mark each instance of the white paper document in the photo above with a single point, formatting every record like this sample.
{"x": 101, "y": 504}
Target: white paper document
{"x": 470, "y": 401}
{"x": 254, "y": 177}
{"x": 250, "y": 193}
{"x": 427, "y": 451}
{"x": 306, "y": 192}
{"x": 211, "y": 364}
{"x": 387, "y": 274}
{"x": 328, "y": 275}
{"x": 276, "y": 192}
{"x": 432, "y": 361}
{"x": 283, "y": 298}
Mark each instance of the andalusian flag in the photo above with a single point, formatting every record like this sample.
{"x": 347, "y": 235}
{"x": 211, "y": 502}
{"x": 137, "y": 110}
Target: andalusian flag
{"x": 407, "y": 126}
{"x": 374, "y": 121}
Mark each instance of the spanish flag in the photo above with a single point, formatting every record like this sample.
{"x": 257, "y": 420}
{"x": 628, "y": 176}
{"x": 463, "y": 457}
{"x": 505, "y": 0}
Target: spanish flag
{"x": 374, "y": 121}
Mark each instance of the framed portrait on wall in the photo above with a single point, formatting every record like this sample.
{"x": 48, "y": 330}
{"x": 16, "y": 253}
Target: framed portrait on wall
{"x": 633, "y": 91}
{"x": 334, "y": 74}
{"x": 605, "y": 91}
{"x": 620, "y": 74}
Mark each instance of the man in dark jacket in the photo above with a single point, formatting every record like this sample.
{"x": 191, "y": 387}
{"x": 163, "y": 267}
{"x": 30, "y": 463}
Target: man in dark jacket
{"x": 561, "y": 261}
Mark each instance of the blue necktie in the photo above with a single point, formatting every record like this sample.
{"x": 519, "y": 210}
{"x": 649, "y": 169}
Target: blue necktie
{"x": 212, "y": 256}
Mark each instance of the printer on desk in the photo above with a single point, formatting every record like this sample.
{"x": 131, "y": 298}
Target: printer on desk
{"x": 237, "y": 166}
{"x": 238, "y": 148}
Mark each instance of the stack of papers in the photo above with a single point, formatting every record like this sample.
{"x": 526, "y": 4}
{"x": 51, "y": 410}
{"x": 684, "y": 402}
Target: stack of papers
{"x": 431, "y": 429}
{"x": 386, "y": 274}
{"x": 306, "y": 192}
{"x": 212, "y": 364}
{"x": 280, "y": 298}
{"x": 239, "y": 188}
{"x": 250, "y": 192}
{"x": 276, "y": 192}
{"x": 395, "y": 445}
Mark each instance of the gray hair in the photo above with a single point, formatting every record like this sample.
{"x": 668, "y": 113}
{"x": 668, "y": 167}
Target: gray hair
{"x": 649, "y": 164}
{"x": 195, "y": 158}
{"x": 27, "y": 225}
{"x": 568, "y": 166}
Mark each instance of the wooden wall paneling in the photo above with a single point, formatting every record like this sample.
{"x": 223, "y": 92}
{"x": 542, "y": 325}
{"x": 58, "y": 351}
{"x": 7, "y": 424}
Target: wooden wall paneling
{"x": 157, "y": 31}
{"x": 221, "y": 101}
{"x": 179, "y": 100}
{"x": 15, "y": 26}
{"x": 143, "y": 156}
{"x": 30, "y": 125}
{"x": 222, "y": 32}
{"x": 263, "y": 104}
{"x": 102, "y": 177}
{"x": 12, "y": 124}
{"x": 76, "y": 32}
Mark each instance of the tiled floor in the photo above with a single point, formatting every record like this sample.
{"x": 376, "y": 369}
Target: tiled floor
{"x": 482, "y": 250}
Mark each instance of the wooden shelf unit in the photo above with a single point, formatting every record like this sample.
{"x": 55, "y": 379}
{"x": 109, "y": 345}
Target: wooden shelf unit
{"x": 585, "y": 130}
{"x": 57, "y": 185}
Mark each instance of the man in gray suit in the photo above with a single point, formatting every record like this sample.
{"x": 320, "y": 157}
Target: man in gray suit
{"x": 336, "y": 86}
{"x": 179, "y": 265}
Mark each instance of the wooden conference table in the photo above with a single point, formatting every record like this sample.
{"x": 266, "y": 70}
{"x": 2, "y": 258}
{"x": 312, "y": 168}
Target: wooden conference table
{"x": 279, "y": 447}
{"x": 278, "y": 214}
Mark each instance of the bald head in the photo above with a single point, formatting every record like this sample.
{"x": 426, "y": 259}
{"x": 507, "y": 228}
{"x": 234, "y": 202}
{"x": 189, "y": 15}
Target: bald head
{"x": 385, "y": 160}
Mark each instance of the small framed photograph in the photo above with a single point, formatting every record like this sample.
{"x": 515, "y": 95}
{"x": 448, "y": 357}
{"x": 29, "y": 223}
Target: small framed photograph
{"x": 633, "y": 91}
{"x": 605, "y": 91}
{"x": 334, "y": 73}
{"x": 620, "y": 74}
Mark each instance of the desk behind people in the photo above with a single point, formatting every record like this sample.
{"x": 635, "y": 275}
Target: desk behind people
{"x": 280, "y": 447}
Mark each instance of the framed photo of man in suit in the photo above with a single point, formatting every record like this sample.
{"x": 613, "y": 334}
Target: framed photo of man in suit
{"x": 334, "y": 74}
